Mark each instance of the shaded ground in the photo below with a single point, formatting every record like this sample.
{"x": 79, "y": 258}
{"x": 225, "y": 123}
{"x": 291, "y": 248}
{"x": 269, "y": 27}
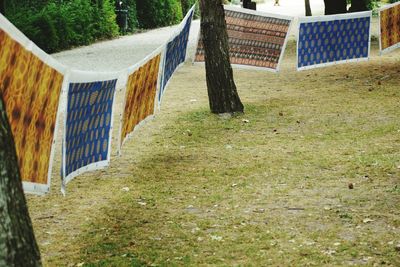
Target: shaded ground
{"x": 205, "y": 190}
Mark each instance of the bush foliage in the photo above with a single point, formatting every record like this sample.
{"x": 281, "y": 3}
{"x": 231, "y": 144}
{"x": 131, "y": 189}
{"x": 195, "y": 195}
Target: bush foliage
{"x": 187, "y": 4}
{"x": 157, "y": 13}
{"x": 54, "y": 25}
{"x": 129, "y": 5}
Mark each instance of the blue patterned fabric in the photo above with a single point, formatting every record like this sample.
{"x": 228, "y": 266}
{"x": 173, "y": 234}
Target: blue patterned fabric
{"x": 331, "y": 41}
{"x": 175, "y": 54}
{"x": 88, "y": 123}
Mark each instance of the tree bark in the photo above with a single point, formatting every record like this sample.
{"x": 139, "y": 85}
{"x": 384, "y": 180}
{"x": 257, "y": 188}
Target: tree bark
{"x": 358, "y": 5}
{"x": 308, "y": 7}
{"x": 222, "y": 93}
{"x": 335, "y": 7}
{"x": 2, "y": 7}
{"x": 17, "y": 241}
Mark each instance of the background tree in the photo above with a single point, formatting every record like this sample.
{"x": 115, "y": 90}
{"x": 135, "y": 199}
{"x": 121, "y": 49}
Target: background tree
{"x": 308, "y": 7}
{"x": 222, "y": 93}
{"x": 335, "y": 7}
{"x": 358, "y": 5}
{"x": 2, "y": 7}
{"x": 17, "y": 241}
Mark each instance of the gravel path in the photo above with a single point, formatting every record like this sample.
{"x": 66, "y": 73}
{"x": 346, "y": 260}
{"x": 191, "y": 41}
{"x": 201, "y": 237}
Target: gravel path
{"x": 123, "y": 52}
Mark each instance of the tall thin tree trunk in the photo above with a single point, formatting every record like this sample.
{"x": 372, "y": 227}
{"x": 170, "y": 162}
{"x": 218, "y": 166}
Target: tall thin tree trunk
{"x": 358, "y": 5}
{"x": 222, "y": 93}
{"x": 2, "y": 6}
{"x": 308, "y": 7}
{"x": 335, "y": 7}
{"x": 17, "y": 241}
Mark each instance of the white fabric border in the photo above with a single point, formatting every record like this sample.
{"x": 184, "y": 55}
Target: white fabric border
{"x": 181, "y": 26}
{"x": 79, "y": 76}
{"x": 257, "y": 13}
{"x": 345, "y": 16}
{"x": 13, "y": 31}
{"x": 333, "y": 63}
{"x": 35, "y": 188}
{"x": 388, "y": 6}
{"x": 76, "y": 76}
{"x": 142, "y": 62}
{"x": 131, "y": 70}
{"x": 331, "y": 18}
{"x": 390, "y": 48}
{"x": 284, "y": 45}
{"x": 187, "y": 45}
{"x": 91, "y": 167}
{"x": 239, "y": 66}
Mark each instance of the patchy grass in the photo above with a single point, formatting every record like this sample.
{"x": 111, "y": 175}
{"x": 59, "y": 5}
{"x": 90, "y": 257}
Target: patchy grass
{"x": 268, "y": 187}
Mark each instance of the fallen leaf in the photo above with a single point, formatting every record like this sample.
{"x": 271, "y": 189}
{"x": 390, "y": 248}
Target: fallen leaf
{"x": 367, "y": 220}
{"x": 216, "y": 238}
{"x": 259, "y": 210}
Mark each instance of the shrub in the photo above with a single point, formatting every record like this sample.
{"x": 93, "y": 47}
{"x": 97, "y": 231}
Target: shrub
{"x": 39, "y": 28}
{"x": 104, "y": 20}
{"x": 157, "y": 13}
{"x": 187, "y": 4}
{"x": 54, "y": 26}
{"x": 130, "y": 5}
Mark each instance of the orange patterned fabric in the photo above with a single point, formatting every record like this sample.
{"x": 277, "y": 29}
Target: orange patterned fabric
{"x": 390, "y": 26}
{"x": 140, "y": 93}
{"x": 31, "y": 90}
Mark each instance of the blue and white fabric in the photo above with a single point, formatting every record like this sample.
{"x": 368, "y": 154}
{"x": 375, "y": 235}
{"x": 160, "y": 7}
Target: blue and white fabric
{"x": 333, "y": 39}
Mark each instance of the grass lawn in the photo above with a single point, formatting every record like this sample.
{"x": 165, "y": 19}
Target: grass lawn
{"x": 270, "y": 187}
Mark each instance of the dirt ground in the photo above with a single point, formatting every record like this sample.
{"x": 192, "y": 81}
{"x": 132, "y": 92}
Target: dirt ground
{"x": 191, "y": 188}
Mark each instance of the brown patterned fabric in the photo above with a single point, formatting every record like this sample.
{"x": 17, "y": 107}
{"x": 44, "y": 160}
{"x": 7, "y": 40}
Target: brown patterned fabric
{"x": 254, "y": 40}
{"x": 140, "y": 95}
{"x": 390, "y": 26}
{"x": 31, "y": 91}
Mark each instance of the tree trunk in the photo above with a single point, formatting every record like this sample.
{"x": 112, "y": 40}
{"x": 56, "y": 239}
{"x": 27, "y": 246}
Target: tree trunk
{"x": 335, "y": 7}
{"x": 246, "y": 3}
{"x": 308, "y": 7}
{"x": 358, "y": 5}
{"x": 222, "y": 93}
{"x": 17, "y": 241}
{"x": 2, "y": 7}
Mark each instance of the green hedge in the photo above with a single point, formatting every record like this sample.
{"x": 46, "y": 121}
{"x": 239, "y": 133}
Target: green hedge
{"x": 187, "y": 4}
{"x": 56, "y": 25}
{"x": 130, "y": 5}
{"x": 158, "y": 13}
